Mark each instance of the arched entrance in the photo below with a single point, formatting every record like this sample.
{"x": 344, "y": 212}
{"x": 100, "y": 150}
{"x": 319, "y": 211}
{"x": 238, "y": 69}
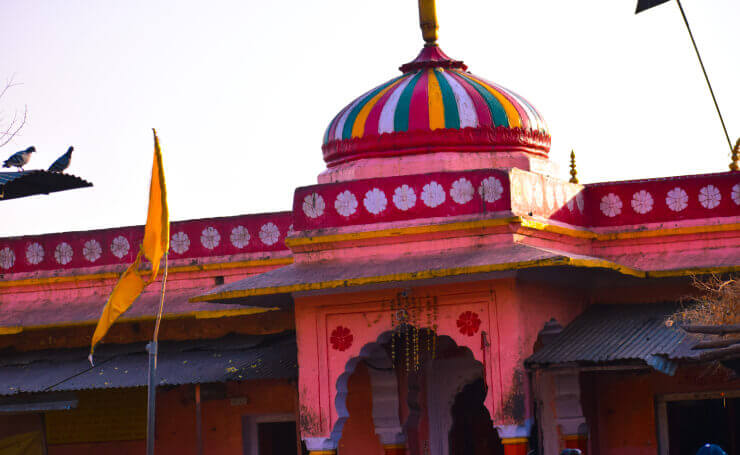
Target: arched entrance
{"x": 411, "y": 404}
{"x": 472, "y": 431}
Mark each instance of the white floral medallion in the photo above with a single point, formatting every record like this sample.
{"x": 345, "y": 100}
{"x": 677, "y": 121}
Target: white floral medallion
{"x": 490, "y": 189}
{"x": 642, "y": 202}
{"x": 404, "y": 197}
{"x": 119, "y": 246}
{"x": 375, "y": 201}
{"x": 433, "y": 194}
{"x": 92, "y": 250}
{"x": 580, "y": 202}
{"x": 63, "y": 253}
{"x": 462, "y": 191}
{"x": 611, "y": 205}
{"x": 269, "y": 233}
{"x": 7, "y": 258}
{"x": 34, "y": 253}
{"x": 240, "y": 237}
{"x": 313, "y": 205}
{"x": 677, "y": 199}
{"x": 709, "y": 197}
{"x": 210, "y": 238}
{"x": 736, "y": 194}
{"x": 346, "y": 203}
{"x": 180, "y": 242}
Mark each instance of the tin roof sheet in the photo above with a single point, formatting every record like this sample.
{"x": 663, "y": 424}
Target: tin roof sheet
{"x": 28, "y": 183}
{"x": 231, "y": 358}
{"x": 617, "y": 333}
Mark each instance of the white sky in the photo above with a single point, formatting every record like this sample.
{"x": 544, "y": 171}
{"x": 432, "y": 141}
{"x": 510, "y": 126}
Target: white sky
{"x": 241, "y": 91}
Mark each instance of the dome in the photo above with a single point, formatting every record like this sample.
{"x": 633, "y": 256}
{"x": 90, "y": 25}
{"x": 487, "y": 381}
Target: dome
{"x": 435, "y": 105}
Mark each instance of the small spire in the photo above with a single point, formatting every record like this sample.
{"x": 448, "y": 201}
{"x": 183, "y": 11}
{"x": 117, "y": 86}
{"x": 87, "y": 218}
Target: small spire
{"x": 428, "y": 21}
{"x": 573, "y": 172}
{"x": 735, "y": 156}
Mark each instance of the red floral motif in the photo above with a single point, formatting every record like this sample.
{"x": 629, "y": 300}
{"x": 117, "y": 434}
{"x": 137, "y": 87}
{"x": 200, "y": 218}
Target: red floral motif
{"x": 341, "y": 338}
{"x": 468, "y": 323}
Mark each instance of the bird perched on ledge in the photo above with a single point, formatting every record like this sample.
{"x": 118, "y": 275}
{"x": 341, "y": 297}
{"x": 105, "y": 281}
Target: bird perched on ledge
{"x": 62, "y": 162}
{"x": 19, "y": 159}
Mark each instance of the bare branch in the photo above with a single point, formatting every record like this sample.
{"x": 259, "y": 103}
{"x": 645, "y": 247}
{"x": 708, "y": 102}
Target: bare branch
{"x": 9, "y": 131}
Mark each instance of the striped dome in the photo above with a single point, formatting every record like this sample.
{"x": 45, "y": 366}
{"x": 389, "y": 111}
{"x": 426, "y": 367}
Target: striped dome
{"x": 434, "y": 106}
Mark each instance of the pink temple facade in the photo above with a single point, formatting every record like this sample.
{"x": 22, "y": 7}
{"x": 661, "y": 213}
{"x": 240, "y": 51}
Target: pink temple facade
{"x": 449, "y": 292}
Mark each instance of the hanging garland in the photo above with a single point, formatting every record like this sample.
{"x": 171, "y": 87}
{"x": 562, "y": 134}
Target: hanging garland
{"x": 406, "y": 328}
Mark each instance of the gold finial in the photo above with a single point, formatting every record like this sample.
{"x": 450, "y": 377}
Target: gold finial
{"x": 428, "y": 21}
{"x": 735, "y": 156}
{"x": 573, "y": 172}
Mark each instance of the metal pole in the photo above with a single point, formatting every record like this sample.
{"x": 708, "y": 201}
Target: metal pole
{"x": 198, "y": 421}
{"x": 151, "y": 397}
{"x": 696, "y": 49}
{"x": 153, "y": 380}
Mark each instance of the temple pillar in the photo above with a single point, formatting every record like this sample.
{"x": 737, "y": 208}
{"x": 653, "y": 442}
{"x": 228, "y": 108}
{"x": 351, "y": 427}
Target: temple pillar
{"x": 568, "y": 411}
{"x": 515, "y": 438}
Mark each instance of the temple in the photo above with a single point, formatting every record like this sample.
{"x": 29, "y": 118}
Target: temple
{"x": 441, "y": 290}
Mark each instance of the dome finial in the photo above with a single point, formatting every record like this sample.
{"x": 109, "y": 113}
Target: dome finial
{"x": 735, "y": 156}
{"x": 428, "y": 21}
{"x": 573, "y": 172}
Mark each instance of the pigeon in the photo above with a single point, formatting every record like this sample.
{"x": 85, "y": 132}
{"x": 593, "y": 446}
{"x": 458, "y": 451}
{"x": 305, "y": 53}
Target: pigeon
{"x": 62, "y": 162}
{"x": 19, "y": 159}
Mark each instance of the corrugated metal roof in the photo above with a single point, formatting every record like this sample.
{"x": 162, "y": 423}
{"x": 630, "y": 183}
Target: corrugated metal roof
{"x": 617, "y": 333}
{"x": 232, "y": 358}
{"x": 28, "y": 183}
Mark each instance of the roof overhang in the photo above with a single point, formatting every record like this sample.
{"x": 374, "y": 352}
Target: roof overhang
{"x": 625, "y": 335}
{"x": 232, "y": 358}
{"x": 21, "y": 315}
{"x": 30, "y": 183}
{"x": 332, "y": 275}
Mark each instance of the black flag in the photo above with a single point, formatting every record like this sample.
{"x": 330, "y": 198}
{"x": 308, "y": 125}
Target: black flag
{"x": 642, "y": 5}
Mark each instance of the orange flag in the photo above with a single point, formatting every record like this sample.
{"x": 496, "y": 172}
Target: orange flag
{"x": 157, "y": 231}
{"x": 127, "y": 289}
{"x": 155, "y": 244}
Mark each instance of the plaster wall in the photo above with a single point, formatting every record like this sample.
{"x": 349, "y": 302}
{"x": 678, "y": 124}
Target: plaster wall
{"x": 441, "y": 161}
{"x": 221, "y": 420}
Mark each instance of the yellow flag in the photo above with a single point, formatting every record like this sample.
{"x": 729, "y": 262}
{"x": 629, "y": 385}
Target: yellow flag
{"x": 157, "y": 231}
{"x": 155, "y": 245}
{"x": 126, "y": 291}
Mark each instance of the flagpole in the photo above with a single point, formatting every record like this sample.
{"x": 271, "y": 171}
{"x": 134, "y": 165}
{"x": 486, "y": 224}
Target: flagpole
{"x": 709, "y": 84}
{"x": 152, "y": 348}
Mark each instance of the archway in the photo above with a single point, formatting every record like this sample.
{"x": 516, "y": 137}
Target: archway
{"x": 411, "y": 406}
{"x": 472, "y": 431}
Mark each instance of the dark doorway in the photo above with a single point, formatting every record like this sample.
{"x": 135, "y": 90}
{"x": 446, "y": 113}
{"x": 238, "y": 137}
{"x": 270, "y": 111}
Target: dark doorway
{"x": 277, "y": 438}
{"x": 472, "y": 431}
{"x": 693, "y": 423}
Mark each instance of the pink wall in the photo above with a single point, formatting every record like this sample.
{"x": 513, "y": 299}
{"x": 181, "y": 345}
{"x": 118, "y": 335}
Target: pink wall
{"x": 510, "y": 312}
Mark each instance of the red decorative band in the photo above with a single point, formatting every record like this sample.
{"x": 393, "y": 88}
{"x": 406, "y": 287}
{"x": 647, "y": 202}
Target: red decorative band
{"x": 481, "y": 139}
